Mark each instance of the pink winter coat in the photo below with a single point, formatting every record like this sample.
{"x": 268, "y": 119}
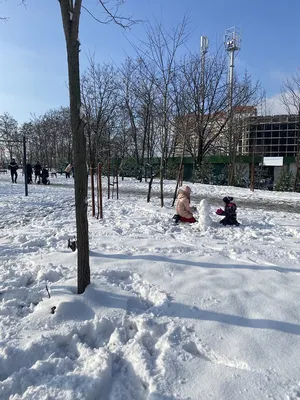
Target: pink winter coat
{"x": 183, "y": 205}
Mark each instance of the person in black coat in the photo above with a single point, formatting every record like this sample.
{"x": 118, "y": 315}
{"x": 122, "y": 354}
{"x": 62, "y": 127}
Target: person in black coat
{"x": 229, "y": 212}
{"x": 29, "y": 173}
{"x": 13, "y": 166}
{"x": 37, "y": 172}
{"x": 45, "y": 176}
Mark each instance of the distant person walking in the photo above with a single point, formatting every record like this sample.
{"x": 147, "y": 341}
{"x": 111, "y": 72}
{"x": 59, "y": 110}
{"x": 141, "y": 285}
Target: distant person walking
{"x": 37, "y": 172}
{"x": 68, "y": 170}
{"x": 13, "y": 166}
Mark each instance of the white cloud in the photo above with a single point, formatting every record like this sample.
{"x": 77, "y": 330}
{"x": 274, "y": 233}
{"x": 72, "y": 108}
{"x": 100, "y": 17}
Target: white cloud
{"x": 274, "y": 106}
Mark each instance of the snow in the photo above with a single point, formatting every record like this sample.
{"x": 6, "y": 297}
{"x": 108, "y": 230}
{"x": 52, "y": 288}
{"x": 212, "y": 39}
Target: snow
{"x": 173, "y": 312}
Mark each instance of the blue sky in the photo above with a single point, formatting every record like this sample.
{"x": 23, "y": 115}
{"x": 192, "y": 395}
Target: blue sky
{"x": 33, "y": 66}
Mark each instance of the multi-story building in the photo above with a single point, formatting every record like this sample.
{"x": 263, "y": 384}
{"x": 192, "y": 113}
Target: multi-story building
{"x": 271, "y": 136}
{"x": 255, "y": 136}
{"x": 215, "y": 134}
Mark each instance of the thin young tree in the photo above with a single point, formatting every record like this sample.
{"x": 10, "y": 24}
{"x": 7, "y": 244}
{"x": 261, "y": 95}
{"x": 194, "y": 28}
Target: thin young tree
{"x": 100, "y": 101}
{"x": 138, "y": 91}
{"x": 208, "y": 101}
{"x": 159, "y": 57}
{"x": 70, "y": 13}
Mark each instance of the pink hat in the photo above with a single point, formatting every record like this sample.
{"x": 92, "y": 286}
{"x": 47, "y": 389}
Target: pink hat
{"x": 187, "y": 189}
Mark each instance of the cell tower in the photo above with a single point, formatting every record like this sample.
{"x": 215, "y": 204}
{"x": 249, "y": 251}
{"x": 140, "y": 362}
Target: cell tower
{"x": 203, "y": 44}
{"x": 203, "y": 51}
{"x": 203, "y": 48}
{"x": 232, "y": 42}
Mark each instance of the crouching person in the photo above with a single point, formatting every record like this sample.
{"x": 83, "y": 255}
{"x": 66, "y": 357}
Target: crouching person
{"x": 45, "y": 176}
{"x": 229, "y": 212}
{"x": 184, "y": 212}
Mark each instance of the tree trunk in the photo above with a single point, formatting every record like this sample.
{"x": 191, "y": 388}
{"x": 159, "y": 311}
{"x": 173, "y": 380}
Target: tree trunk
{"x": 150, "y": 185}
{"x": 71, "y": 28}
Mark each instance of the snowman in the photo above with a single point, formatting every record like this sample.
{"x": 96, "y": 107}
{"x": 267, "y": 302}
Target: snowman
{"x": 204, "y": 219}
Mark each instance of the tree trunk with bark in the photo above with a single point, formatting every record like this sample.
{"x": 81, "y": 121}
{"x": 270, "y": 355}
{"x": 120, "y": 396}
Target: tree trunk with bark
{"x": 70, "y": 12}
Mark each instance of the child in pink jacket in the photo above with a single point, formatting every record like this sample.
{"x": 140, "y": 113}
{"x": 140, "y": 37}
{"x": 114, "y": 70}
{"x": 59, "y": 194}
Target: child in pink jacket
{"x": 184, "y": 212}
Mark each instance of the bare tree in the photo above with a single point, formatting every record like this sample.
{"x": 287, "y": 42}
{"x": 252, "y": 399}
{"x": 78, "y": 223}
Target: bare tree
{"x": 183, "y": 121}
{"x": 138, "y": 101}
{"x": 159, "y": 58}
{"x": 70, "y": 13}
{"x": 10, "y": 136}
{"x": 49, "y": 138}
{"x": 207, "y": 96}
{"x": 247, "y": 96}
{"x": 290, "y": 98}
{"x": 100, "y": 101}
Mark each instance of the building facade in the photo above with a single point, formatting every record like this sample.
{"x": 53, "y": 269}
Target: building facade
{"x": 212, "y": 130}
{"x": 271, "y": 136}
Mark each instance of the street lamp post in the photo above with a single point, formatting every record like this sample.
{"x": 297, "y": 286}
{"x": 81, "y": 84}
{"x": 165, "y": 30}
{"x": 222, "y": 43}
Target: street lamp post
{"x": 24, "y": 165}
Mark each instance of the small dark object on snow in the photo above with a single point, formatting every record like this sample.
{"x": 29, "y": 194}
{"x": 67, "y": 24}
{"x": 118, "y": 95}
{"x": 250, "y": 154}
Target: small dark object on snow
{"x": 176, "y": 218}
{"x": 53, "y": 309}
{"x": 49, "y": 295}
{"x": 72, "y": 244}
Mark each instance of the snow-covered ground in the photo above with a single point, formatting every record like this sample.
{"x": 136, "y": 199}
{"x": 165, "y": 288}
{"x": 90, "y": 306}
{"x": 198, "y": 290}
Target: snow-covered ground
{"x": 173, "y": 312}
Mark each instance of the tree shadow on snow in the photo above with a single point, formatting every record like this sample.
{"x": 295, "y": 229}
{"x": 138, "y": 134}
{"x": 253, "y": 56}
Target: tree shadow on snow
{"x": 183, "y": 311}
{"x": 196, "y": 264}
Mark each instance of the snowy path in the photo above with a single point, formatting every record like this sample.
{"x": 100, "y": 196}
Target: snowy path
{"x": 258, "y": 200}
{"x": 173, "y": 312}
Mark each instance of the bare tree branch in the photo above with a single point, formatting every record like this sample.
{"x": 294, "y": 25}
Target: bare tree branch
{"x": 113, "y": 16}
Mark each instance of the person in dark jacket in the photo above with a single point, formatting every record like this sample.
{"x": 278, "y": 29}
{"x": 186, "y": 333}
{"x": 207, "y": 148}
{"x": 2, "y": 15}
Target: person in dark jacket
{"x": 37, "y": 172}
{"x": 229, "y": 212}
{"x": 29, "y": 173}
{"x": 13, "y": 166}
{"x": 45, "y": 176}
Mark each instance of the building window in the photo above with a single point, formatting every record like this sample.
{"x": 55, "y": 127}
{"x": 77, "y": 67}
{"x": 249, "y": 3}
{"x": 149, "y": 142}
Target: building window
{"x": 282, "y": 149}
{"x": 283, "y": 134}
